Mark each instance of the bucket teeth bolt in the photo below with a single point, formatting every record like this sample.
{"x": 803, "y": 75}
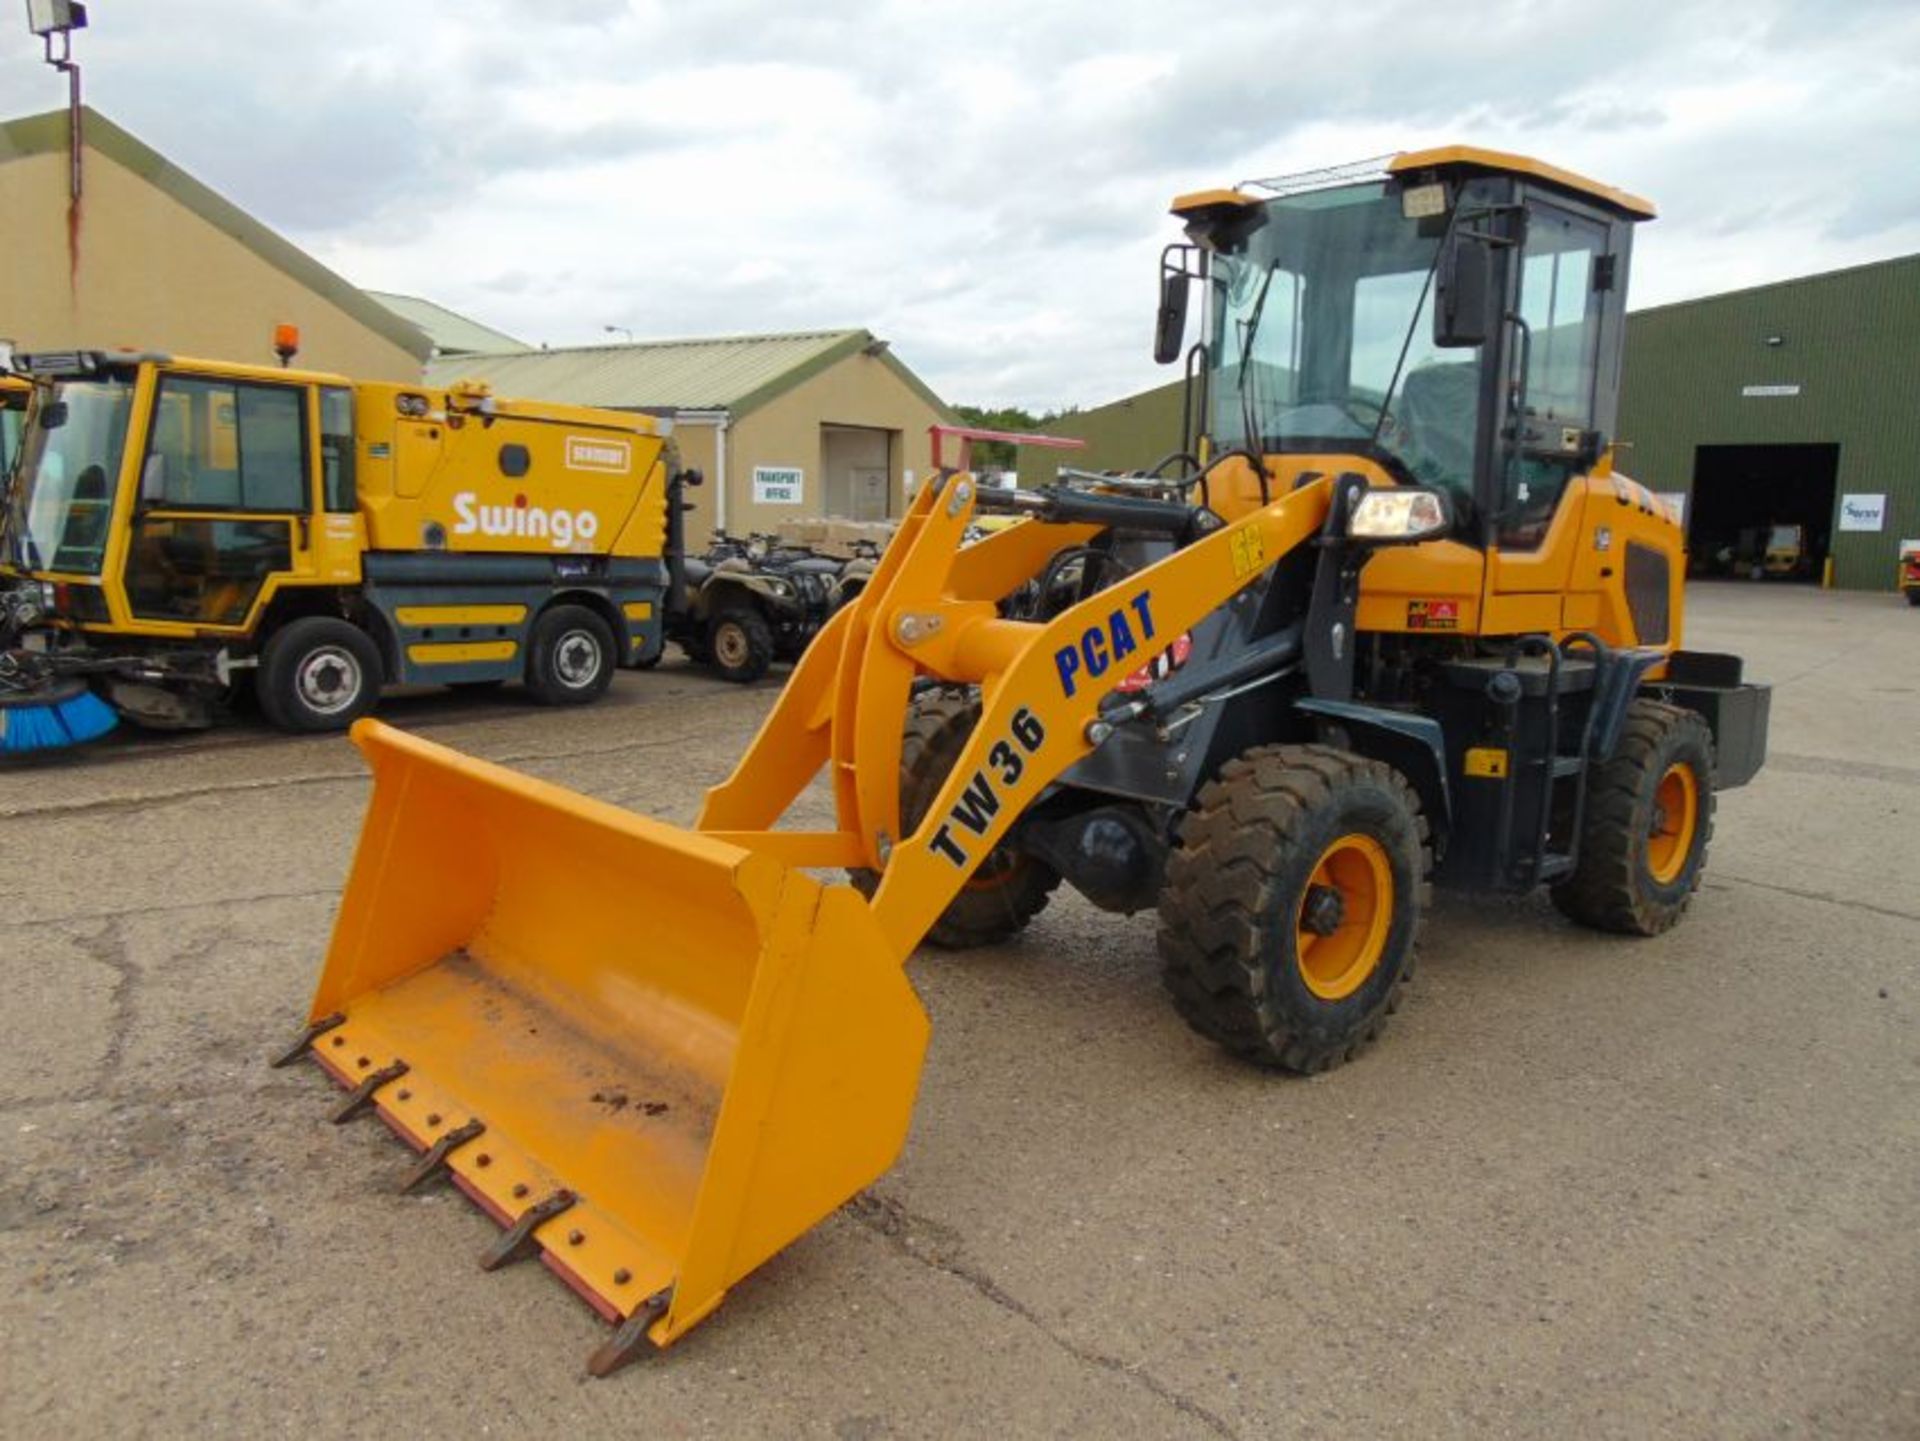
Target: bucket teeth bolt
{"x": 440, "y": 1153}
{"x": 517, "y": 1240}
{"x": 304, "y": 1042}
{"x": 630, "y": 1337}
{"x": 361, "y": 1097}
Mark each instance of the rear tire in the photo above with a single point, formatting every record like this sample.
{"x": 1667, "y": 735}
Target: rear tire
{"x": 1643, "y": 844}
{"x": 318, "y": 673}
{"x": 1292, "y": 904}
{"x": 739, "y": 644}
{"x": 569, "y": 656}
{"x": 1009, "y": 888}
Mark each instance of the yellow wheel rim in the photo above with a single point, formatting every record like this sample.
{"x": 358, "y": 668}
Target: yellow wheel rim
{"x": 1344, "y": 914}
{"x": 1676, "y": 814}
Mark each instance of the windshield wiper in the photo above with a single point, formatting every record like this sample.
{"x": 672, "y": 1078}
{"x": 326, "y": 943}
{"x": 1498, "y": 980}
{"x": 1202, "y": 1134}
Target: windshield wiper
{"x": 1249, "y": 420}
{"x": 1251, "y": 325}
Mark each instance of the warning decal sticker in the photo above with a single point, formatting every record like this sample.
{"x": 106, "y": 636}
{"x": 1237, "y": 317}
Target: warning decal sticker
{"x": 1433, "y": 615}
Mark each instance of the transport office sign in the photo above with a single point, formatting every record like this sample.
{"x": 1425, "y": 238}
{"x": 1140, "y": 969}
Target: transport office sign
{"x": 1863, "y": 512}
{"x": 778, "y": 484}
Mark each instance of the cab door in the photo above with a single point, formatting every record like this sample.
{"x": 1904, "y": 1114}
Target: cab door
{"x": 225, "y": 505}
{"x": 1555, "y": 381}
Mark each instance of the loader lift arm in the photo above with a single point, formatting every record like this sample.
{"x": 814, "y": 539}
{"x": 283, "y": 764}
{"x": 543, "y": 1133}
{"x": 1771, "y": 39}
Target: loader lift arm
{"x": 929, "y": 610}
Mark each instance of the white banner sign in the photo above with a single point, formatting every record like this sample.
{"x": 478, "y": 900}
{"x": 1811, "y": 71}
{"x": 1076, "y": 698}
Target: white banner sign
{"x": 1768, "y": 392}
{"x": 1863, "y": 512}
{"x": 778, "y": 484}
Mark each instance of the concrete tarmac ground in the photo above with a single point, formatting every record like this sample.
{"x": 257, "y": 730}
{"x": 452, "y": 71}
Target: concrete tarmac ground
{"x": 1584, "y": 1186}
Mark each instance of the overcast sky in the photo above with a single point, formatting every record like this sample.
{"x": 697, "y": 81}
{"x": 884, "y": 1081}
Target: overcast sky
{"x": 982, "y": 183}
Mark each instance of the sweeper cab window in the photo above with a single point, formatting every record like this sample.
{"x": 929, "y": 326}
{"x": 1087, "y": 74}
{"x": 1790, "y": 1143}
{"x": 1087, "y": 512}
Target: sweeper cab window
{"x": 69, "y": 462}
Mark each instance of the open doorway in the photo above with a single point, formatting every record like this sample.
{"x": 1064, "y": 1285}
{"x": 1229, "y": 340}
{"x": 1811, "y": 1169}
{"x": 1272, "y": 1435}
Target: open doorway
{"x": 856, "y": 463}
{"x": 1761, "y": 511}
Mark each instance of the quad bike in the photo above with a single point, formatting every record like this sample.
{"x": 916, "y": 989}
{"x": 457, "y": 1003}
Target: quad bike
{"x": 751, "y": 601}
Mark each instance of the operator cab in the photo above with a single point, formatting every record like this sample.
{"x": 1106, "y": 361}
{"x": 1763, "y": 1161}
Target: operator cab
{"x": 220, "y": 474}
{"x": 1454, "y": 317}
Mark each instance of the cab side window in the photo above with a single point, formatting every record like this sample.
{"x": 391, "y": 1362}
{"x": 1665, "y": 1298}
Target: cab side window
{"x": 221, "y": 445}
{"x": 1560, "y": 269}
{"x": 336, "y": 450}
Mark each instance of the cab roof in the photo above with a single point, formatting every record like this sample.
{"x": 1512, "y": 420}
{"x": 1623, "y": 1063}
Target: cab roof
{"x": 1470, "y": 158}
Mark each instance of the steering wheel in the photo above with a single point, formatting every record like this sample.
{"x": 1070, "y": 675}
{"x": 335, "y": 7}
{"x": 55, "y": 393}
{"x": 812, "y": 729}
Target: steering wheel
{"x": 1346, "y": 407}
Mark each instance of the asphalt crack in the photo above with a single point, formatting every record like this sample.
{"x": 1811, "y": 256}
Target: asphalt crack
{"x": 209, "y": 903}
{"x": 899, "y": 1227}
{"x": 119, "y": 805}
{"x": 1808, "y": 765}
{"x": 108, "y": 947}
{"x": 1807, "y": 895}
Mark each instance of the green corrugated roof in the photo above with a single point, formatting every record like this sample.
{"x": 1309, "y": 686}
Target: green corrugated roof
{"x": 451, "y": 332}
{"x": 735, "y": 373}
{"x": 40, "y": 134}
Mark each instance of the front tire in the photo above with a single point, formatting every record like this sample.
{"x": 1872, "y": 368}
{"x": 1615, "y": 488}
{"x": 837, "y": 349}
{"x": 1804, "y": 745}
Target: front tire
{"x": 569, "y": 656}
{"x": 1009, "y": 888}
{"x": 739, "y": 644}
{"x": 1292, "y": 903}
{"x": 318, "y": 673}
{"x": 1649, "y": 817}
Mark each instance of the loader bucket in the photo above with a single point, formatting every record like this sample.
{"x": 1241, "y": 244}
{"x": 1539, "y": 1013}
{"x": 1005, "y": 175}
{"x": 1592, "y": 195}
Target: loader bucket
{"x": 679, "y": 1054}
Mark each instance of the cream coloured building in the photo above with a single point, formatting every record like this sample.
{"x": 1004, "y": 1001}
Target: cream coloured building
{"x": 791, "y": 426}
{"x": 785, "y": 427}
{"x": 152, "y": 259}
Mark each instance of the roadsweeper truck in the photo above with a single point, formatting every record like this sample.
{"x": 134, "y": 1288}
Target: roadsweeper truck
{"x": 176, "y": 524}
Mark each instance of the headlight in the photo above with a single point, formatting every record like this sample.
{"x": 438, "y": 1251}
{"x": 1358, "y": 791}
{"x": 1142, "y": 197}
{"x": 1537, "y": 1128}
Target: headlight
{"x": 1404, "y": 514}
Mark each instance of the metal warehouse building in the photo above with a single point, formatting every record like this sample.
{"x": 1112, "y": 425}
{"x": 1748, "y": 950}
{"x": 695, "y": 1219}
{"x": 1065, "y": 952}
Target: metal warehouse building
{"x": 1792, "y": 404}
{"x": 1789, "y": 404}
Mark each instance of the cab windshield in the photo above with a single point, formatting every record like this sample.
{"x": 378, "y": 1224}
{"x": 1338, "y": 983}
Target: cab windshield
{"x": 1322, "y": 338}
{"x": 69, "y": 460}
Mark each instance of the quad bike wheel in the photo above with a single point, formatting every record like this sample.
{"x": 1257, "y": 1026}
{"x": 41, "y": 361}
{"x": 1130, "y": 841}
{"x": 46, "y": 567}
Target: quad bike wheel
{"x": 739, "y": 644}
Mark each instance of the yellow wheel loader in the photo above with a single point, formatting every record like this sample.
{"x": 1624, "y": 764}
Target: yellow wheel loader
{"x": 176, "y": 523}
{"x": 1394, "y": 621}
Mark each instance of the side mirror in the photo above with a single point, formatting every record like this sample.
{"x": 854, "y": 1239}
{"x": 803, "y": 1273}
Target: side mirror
{"x": 1170, "y": 325}
{"x": 53, "y": 415}
{"x": 692, "y": 477}
{"x": 153, "y": 480}
{"x": 1464, "y": 302}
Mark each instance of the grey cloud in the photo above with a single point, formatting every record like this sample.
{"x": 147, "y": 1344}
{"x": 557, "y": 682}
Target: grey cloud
{"x": 997, "y": 196}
